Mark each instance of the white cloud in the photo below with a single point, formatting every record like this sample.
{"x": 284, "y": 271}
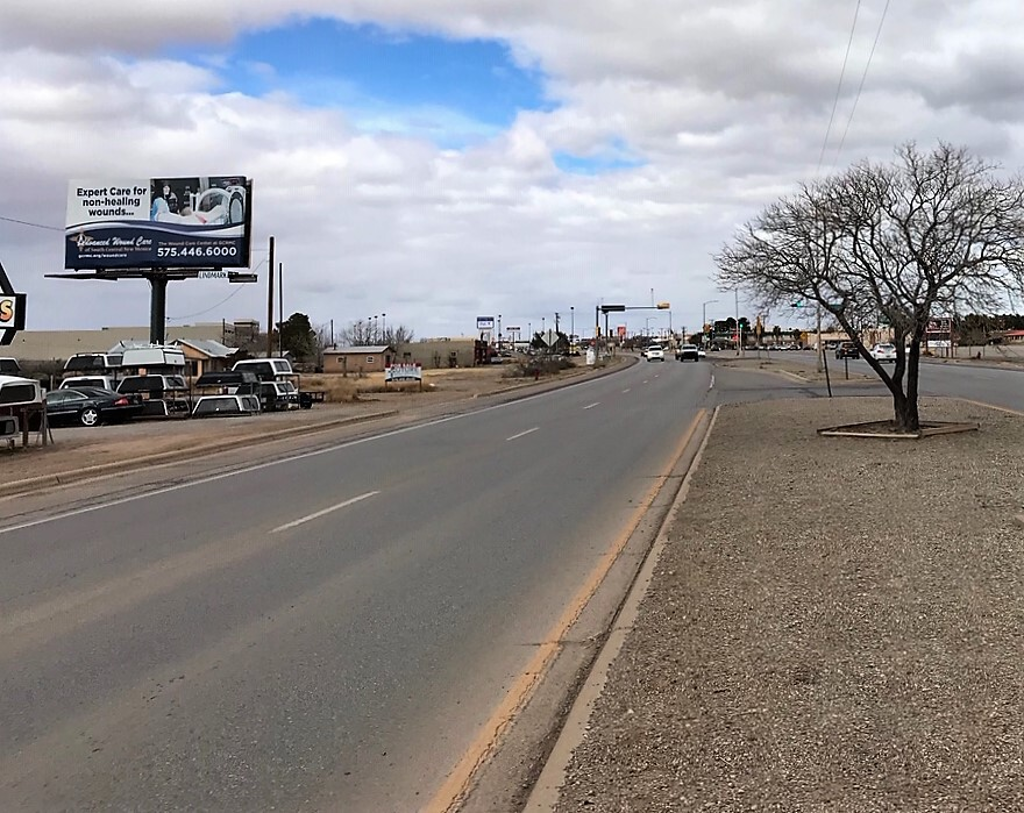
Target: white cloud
{"x": 722, "y": 106}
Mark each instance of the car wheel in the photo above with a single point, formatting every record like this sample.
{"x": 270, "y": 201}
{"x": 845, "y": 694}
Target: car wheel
{"x": 89, "y": 416}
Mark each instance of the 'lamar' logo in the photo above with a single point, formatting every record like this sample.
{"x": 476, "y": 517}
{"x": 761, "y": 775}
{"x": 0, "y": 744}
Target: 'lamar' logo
{"x": 8, "y": 310}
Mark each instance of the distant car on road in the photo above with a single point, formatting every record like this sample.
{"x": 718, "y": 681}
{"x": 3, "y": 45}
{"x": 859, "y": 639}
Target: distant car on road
{"x": 655, "y": 353}
{"x": 884, "y": 352}
{"x": 847, "y": 350}
{"x": 688, "y": 352}
{"x": 89, "y": 406}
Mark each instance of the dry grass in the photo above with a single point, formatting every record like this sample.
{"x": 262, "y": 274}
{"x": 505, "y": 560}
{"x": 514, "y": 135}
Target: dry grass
{"x": 338, "y": 388}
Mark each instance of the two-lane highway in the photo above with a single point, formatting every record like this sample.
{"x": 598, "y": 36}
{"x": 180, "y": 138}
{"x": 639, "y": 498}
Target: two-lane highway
{"x": 327, "y": 632}
{"x": 1001, "y": 386}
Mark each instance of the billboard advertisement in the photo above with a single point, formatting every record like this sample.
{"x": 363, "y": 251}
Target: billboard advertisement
{"x": 158, "y": 223}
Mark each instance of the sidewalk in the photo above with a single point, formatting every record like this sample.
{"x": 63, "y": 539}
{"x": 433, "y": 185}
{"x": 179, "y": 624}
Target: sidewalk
{"x": 834, "y": 625}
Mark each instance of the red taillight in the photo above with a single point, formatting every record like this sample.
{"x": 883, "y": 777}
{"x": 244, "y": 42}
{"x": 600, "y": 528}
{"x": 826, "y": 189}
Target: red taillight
{"x": 121, "y": 402}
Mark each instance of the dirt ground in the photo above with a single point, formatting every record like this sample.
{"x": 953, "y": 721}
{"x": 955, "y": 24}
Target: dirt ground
{"x": 833, "y": 625}
{"x": 75, "y": 448}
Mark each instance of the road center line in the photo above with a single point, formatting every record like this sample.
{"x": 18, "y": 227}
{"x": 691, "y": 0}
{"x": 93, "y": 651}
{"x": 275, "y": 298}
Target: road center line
{"x": 523, "y": 434}
{"x": 625, "y": 390}
{"x": 291, "y": 458}
{"x": 712, "y": 384}
{"x": 591, "y": 406}
{"x": 318, "y": 514}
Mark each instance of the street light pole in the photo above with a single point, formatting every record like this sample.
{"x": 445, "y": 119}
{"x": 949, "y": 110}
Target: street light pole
{"x": 572, "y": 323}
{"x": 704, "y": 319}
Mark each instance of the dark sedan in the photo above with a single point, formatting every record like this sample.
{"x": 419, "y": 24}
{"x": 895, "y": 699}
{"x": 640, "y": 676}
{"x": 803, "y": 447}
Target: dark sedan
{"x": 89, "y": 406}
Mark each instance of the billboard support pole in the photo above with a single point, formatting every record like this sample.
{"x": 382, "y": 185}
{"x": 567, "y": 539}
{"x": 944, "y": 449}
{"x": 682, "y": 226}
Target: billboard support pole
{"x": 157, "y": 308}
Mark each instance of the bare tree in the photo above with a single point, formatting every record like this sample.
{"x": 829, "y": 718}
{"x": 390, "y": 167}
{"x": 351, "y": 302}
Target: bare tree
{"x": 358, "y": 334}
{"x": 894, "y": 244}
{"x": 397, "y": 336}
{"x": 366, "y": 333}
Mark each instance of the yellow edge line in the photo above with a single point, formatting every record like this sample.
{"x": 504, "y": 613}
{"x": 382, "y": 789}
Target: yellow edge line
{"x": 459, "y": 780}
{"x": 990, "y": 406}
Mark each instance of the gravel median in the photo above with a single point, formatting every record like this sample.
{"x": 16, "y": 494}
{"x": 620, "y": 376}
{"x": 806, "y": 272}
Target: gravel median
{"x": 834, "y": 625}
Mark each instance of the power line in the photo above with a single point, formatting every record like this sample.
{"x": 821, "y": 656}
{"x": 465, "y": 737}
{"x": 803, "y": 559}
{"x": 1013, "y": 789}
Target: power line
{"x": 839, "y": 87}
{"x": 230, "y": 296}
{"x": 29, "y": 223}
{"x": 863, "y": 79}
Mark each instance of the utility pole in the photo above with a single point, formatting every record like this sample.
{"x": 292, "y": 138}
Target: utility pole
{"x": 739, "y": 333}
{"x": 270, "y": 303}
{"x": 280, "y": 309}
{"x": 821, "y": 348}
{"x": 572, "y": 323}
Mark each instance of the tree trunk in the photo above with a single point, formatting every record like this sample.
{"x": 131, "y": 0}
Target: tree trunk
{"x": 905, "y": 405}
{"x": 905, "y": 413}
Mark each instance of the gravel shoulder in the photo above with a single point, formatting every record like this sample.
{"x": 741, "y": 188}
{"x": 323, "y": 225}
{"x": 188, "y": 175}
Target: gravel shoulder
{"x": 834, "y": 625}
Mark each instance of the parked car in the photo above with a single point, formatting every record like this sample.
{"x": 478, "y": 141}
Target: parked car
{"x": 229, "y": 382}
{"x": 688, "y": 352}
{"x": 266, "y": 369}
{"x": 89, "y": 406}
{"x": 93, "y": 364}
{"x": 278, "y": 395}
{"x": 655, "y": 352}
{"x": 847, "y": 350}
{"x": 161, "y": 395}
{"x": 16, "y": 391}
{"x": 10, "y": 366}
{"x": 154, "y": 358}
{"x": 224, "y": 406}
{"x": 103, "y": 382}
{"x": 884, "y": 352}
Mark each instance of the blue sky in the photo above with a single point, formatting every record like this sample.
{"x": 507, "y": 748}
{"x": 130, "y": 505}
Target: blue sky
{"x": 452, "y": 92}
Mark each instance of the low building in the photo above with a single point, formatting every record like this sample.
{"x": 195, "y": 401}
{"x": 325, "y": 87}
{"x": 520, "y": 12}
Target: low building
{"x": 206, "y": 356}
{"x": 357, "y": 360}
{"x": 35, "y": 347}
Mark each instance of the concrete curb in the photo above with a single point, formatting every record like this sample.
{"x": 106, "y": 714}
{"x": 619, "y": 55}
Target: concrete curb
{"x": 66, "y": 477}
{"x": 546, "y": 790}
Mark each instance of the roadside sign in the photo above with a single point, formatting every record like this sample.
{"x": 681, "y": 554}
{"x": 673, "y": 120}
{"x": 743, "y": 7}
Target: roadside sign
{"x": 404, "y": 372}
{"x": 485, "y": 323}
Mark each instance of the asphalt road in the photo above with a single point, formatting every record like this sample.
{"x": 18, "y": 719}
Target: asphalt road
{"x": 321, "y": 633}
{"x": 1001, "y": 386}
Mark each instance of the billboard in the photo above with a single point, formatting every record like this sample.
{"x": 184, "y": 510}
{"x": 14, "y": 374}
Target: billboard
{"x": 158, "y": 223}
{"x": 485, "y": 323}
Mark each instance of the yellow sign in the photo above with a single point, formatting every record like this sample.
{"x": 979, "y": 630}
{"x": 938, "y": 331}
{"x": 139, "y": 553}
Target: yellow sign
{"x": 664, "y": 306}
